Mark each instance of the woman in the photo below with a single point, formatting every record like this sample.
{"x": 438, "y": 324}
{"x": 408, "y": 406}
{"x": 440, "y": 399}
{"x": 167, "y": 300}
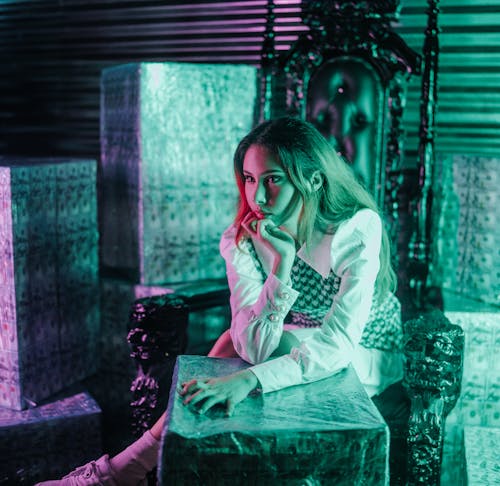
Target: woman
{"x": 308, "y": 266}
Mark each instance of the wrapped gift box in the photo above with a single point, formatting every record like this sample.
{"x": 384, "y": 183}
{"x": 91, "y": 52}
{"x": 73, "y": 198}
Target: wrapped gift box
{"x": 327, "y": 432}
{"x": 477, "y": 405}
{"x": 480, "y": 392}
{"x": 168, "y": 133}
{"x": 50, "y": 440}
{"x": 466, "y": 226}
{"x": 481, "y": 455}
{"x": 49, "y": 290}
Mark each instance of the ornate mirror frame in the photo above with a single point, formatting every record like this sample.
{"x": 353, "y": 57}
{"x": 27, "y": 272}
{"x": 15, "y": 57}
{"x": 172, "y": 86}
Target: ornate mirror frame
{"x": 345, "y": 101}
{"x": 359, "y": 32}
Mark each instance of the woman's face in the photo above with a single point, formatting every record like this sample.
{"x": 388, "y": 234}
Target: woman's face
{"x": 268, "y": 189}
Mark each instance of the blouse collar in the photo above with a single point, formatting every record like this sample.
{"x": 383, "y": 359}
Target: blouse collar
{"x": 319, "y": 255}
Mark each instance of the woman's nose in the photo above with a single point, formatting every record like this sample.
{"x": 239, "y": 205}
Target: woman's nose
{"x": 260, "y": 196}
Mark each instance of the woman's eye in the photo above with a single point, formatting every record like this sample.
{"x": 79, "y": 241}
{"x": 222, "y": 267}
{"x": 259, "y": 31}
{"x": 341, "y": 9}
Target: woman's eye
{"x": 248, "y": 179}
{"x": 273, "y": 179}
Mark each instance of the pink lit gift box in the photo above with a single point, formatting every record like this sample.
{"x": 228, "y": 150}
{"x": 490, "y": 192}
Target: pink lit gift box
{"x": 49, "y": 291}
{"x": 50, "y": 440}
{"x": 168, "y": 134}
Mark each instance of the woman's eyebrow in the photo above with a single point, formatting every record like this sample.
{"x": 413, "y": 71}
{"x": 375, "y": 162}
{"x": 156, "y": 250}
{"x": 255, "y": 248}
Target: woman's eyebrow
{"x": 266, "y": 172}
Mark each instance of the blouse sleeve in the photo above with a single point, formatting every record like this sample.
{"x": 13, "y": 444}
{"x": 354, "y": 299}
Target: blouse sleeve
{"x": 258, "y": 306}
{"x": 355, "y": 258}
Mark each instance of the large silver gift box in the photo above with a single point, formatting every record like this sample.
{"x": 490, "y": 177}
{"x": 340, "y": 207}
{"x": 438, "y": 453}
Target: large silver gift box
{"x": 168, "y": 134}
{"x": 466, "y": 256}
{"x": 477, "y": 405}
{"x": 49, "y": 288}
{"x": 328, "y": 432}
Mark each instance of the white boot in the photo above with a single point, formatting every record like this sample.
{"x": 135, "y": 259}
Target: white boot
{"x": 95, "y": 473}
{"x": 128, "y": 468}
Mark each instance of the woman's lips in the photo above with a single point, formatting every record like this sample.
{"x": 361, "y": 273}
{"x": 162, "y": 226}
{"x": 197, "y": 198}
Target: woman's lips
{"x": 262, "y": 214}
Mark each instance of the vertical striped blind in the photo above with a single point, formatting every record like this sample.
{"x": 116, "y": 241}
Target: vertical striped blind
{"x": 52, "y": 53}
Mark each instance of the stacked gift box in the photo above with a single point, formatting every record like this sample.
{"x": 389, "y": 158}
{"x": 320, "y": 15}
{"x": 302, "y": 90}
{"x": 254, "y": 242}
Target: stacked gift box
{"x": 167, "y": 191}
{"x": 467, "y": 249}
{"x": 445, "y": 220}
{"x": 480, "y": 394}
{"x": 50, "y": 287}
{"x": 481, "y": 455}
{"x": 466, "y": 264}
{"x": 477, "y": 405}
{"x": 46, "y": 441}
{"x": 168, "y": 133}
{"x": 50, "y": 316}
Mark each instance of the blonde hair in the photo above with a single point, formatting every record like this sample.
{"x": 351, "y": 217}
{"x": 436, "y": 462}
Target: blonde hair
{"x": 303, "y": 151}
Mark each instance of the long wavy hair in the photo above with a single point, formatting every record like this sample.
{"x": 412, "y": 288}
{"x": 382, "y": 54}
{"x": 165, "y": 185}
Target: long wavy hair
{"x": 303, "y": 151}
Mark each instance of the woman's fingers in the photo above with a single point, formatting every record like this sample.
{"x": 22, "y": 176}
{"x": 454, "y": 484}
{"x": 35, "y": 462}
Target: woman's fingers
{"x": 208, "y": 395}
{"x": 250, "y": 223}
{"x": 266, "y": 228}
{"x": 230, "y": 408}
{"x": 271, "y": 232}
{"x": 188, "y": 386}
{"x": 278, "y": 232}
{"x": 261, "y": 227}
{"x": 209, "y": 403}
{"x": 229, "y": 390}
{"x": 195, "y": 397}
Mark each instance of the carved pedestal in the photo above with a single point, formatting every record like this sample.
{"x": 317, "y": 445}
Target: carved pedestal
{"x": 157, "y": 335}
{"x": 433, "y": 374}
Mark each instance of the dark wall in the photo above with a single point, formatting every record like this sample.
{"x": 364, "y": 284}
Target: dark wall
{"x": 52, "y": 53}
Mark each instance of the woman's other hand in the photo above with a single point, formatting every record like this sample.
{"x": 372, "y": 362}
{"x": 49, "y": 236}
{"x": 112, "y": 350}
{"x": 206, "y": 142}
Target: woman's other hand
{"x": 277, "y": 239}
{"x": 229, "y": 390}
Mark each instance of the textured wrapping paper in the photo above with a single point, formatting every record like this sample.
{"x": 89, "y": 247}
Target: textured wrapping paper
{"x": 324, "y": 433}
{"x": 49, "y": 290}
{"x": 466, "y": 243}
{"x": 50, "y": 440}
{"x": 482, "y": 455}
{"x": 480, "y": 392}
{"x": 453, "y": 469}
{"x": 168, "y": 133}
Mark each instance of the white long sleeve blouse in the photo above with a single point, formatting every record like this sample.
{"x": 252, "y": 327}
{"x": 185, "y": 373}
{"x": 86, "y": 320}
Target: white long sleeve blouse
{"x": 260, "y": 302}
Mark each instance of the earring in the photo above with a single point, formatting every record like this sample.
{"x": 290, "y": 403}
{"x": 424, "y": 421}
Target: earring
{"x": 316, "y": 181}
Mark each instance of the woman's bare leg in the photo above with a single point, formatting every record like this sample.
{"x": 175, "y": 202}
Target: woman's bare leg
{"x": 157, "y": 428}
